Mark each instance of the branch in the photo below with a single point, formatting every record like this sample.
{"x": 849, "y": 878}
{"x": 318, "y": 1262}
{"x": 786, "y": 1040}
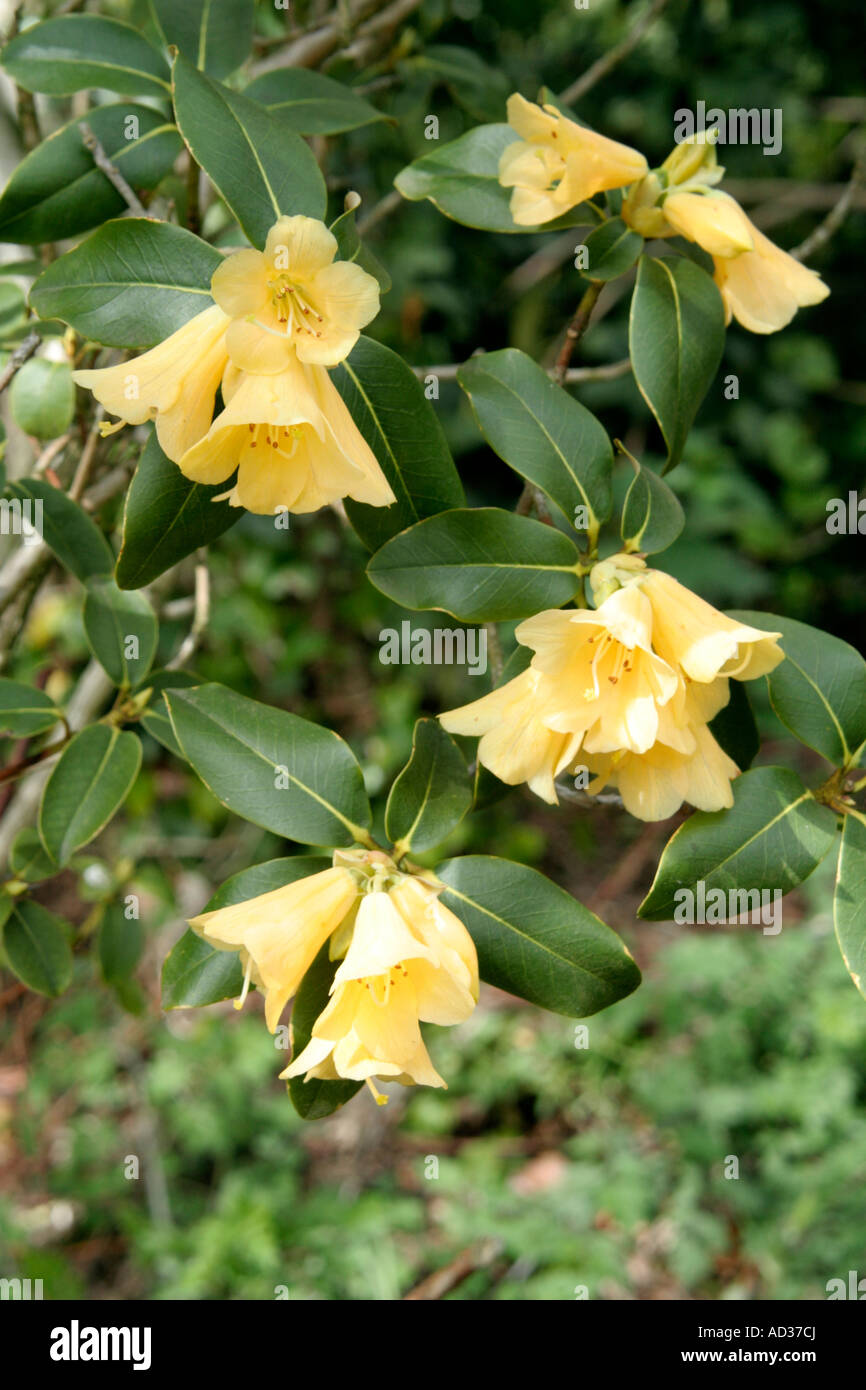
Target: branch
{"x": 22, "y": 353}
{"x": 313, "y": 48}
{"x": 609, "y": 371}
{"x": 576, "y": 329}
{"x": 111, "y": 172}
{"x": 478, "y": 1256}
{"x": 609, "y": 61}
{"x": 201, "y": 612}
{"x": 837, "y": 214}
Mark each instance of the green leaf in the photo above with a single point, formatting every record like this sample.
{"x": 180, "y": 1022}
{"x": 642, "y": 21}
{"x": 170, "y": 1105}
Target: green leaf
{"x": 27, "y": 857}
{"x": 13, "y": 309}
{"x": 25, "y": 711}
{"x": 772, "y": 837}
{"x": 37, "y": 948}
{"x": 613, "y": 249}
{"x": 120, "y": 944}
{"x": 351, "y": 248}
{"x": 72, "y": 52}
{"x": 734, "y": 727}
{"x": 130, "y": 284}
{"x": 849, "y": 899}
{"x": 259, "y": 168}
{"x": 155, "y": 718}
{"x": 541, "y": 431}
{"x": 42, "y": 398}
{"x": 314, "y": 1099}
{"x": 57, "y": 190}
{"x": 196, "y": 972}
{"x": 819, "y": 690}
{"x": 216, "y": 35}
{"x": 477, "y": 86}
{"x": 310, "y": 103}
{"x": 271, "y": 767}
{"x": 461, "y": 179}
{"x": 482, "y": 565}
{"x": 166, "y": 517}
{"x": 117, "y": 624}
{"x": 387, "y": 403}
{"x": 77, "y": 541}
{"x": 534, "y": 939}
{"x": 90, "y": 782}
{"x": 676, "y": 339}
{"x": 652, "y": 516}
{"x": 432, "y": 793}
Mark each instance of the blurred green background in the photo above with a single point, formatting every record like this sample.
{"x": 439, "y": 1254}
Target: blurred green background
{"x": 601, "y": 1166}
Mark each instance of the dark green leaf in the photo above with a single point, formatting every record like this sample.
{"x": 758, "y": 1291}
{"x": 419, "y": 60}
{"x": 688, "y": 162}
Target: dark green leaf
{"x": 120, "y": 943}
{"x": 772, "y": 838}
{"x": 72, "y": 52}
{"x": 652, "y": 516}
{"x": 130, "y": 284}
{"x": 25, "y": 711}
{"x": 37, "y": 948}
{"x": 216, "y": 35}
{"x": 541, "y": 431}
{"x": 734, "y": 727}
{"x": 534, "y": 939}
{"x": 432, "y": 793}
{"x": 849, "y": 900}
{"x": 314, "y": 1099}
{"x": 310, "y": 103}
{"x": 271, "y": 767}
{"x": 819, "y": 690}
{"x": 482, "y": 565}
{"x": 90, "y": 782}
{"x": 351, "y": 248}
{"x": 57, "y": 190}
{"x": 77, "y": 541}
{"x": 261, "y": 169}
{"x": 121, "y": 630}
{"x": 676, "y": 338}
{"x": 388, "y": 405}
{"x": 613, "y": 249}
{"x": 27, "y": 858}
{"x": 166, "y": 518}
{"x": 155, "y": 716}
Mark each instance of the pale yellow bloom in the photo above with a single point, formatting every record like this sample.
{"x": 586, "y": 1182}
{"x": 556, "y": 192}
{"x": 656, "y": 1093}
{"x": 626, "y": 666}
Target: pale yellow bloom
{"x": 174, "y": 383}
{"x": 293, "y": 297}
{"x": 293, "y": 441}
{"x": 693, "y": 636}
{"x": 557, "y": 163}
{"x": 714, "y": 220}
{"x": 410, "y": 960}
{"x": 764, "y": 288}
{"x": 280, "y": 933}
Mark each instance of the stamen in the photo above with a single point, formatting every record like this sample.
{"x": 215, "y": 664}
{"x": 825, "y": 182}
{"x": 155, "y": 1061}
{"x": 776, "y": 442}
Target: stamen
{"x": 106, "y": 427}
{"x": 239, "y": 1003}
{"x": 377, "y": 1095}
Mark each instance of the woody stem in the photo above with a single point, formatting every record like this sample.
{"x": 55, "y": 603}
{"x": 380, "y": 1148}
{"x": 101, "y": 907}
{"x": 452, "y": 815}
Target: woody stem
{"x": 576, "y": 329}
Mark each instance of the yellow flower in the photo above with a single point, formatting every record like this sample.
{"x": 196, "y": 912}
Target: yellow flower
{"x": 174, "y": 383}
{"x": 684, "y": 764}
{"x": 594, "y": 683}
{"x": 764, "y": 288}
{"x": 410, "y": 960}
{"x": 557, "y": 163}
{"x": 694, "y": 637}
{"x": 281, "y": 933}
{"x": 293, "y": 441}
{"x": 293, "y": 297}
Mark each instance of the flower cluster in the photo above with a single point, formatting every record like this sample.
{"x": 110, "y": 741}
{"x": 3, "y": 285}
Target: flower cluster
{"x": 625, "y": 690}
{"x": 557, "y": 164}
{"x": 404, "y": 960}
{"x": 280, "y": 319}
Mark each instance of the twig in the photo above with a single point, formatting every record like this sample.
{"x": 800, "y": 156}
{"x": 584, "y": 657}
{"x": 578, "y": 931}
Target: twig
{"x": 576, "y": 329}
{"x": 478, "y": 1256}
{"x": 13, "y": 770}
{"x": 200, "y": 616}
{"x": 383, "y": 208}
{"x": 85, "y": 463}
{"x": 111, "y": 172}
{"x": 836, "y": 216}
{"x": 494, "y": 647}
{"x": 22, "y": 353}
{"x": 609, "y": 61}
{"x": 608, "y": 372}
{"x": 313, "y": 48}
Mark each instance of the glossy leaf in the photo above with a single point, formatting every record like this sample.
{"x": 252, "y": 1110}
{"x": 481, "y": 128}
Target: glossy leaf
{"x": 121, "y": 631}
{"x": 215, "y": 35}
{"x": 676, "y": 339}
{"x": 541, "y": 431}
{"x": 311, "y": 103}
{"x": 57, "y": 190}
{"x": 42, "y": 398}
{"x": 387, "y": 403}
{"x": 25, "y": 711}
{"x": 612, "y": 249}
{"x": 734, "y": 727}
{"x": 37, "y": 948}
{"x": 154, "y": 717}
{"x": 73, "y": 52}
{"x": 27, "y": 858}
{"x": 165, "y": 518}
{"x": 652, "y": 516}
{"x": 432, "y": 793}
{"x": 196, "y": 972}
{"x": 77, "y": 541}
{"x": 481, "y": 565}
{"x": 772, "y": 838}
{"x": 819, "y": 690}
{"x": 130, "y": 284}
{"x": 261, "y": 169}
{"x": 271, "y": 767}
{"x": 534, "y": 939}
{"x": 120, "y": 944}
{"x": 849, "y": 899}
{"x": 88, "y": 785}
{"x": 314, "y": 1099}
